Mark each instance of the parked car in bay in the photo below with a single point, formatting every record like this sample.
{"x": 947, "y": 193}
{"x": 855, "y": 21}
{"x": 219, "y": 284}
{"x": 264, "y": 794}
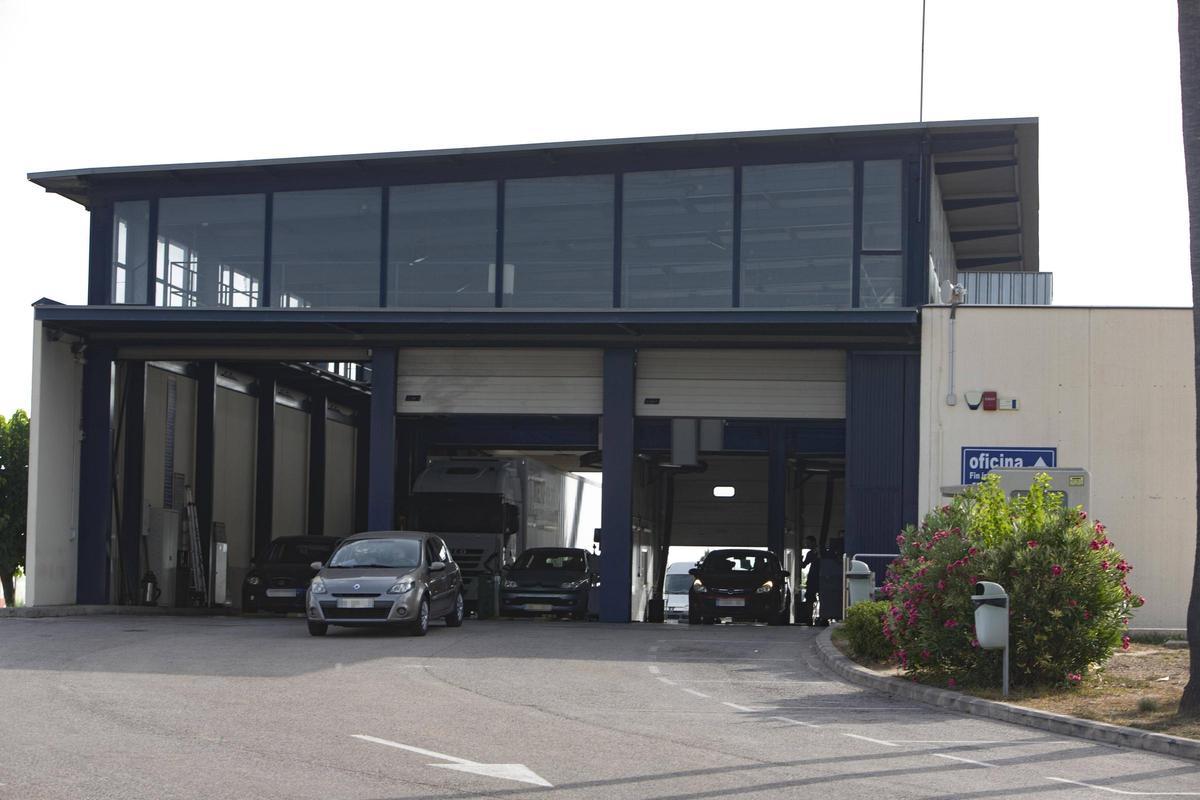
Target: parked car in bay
{"x": 676, "y": 588}
{"x": 386, "y": 578}
{"x": 740, "y": 584}
{"x": 278, "y": 580}
{"x": 550, "y": 580}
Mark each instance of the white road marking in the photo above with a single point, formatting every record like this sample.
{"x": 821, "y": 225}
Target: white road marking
{"x": 964, "y": 760}
{"x": 698, "y": 694}
{"x": 1126, "y": 792}
{"x": 869, "y": 739}
{"x": 795, "y": 722}
{"x": 735, "y": 706}
{"x": 508, "y": 772}
{"x": 653, "y": 648}
{"x": 667, "y": 682}
{"x": 654, "y": 670}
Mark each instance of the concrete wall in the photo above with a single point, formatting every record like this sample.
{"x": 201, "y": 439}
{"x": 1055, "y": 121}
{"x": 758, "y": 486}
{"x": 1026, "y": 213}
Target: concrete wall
{"x": 1112, "y": 389}
{"x": 339, "y": 479}
{"x": 53, "y": 503}
{"x": 233, "y": 497}
{"x": 941, "y": 249}
{"x": 291, "y": 473}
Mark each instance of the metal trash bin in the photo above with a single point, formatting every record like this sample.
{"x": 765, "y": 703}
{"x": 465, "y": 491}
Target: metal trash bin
{"x": 860, "y": 581}
{"x": 991, "y": 615}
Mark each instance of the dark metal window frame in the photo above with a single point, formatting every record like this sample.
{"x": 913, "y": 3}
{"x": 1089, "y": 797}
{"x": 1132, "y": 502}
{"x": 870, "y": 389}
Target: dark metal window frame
{"x": 910, "y": 151}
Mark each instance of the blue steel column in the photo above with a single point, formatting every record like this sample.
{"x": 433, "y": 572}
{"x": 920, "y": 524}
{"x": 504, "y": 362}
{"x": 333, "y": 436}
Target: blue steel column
{"x": 616, "y": 508}
{"x": 100, "y": 247}
{"x": 95, "y": 478}
{"x": 776, "y": 488}
{"x": 381, "y": 480}
{"x": 206, "y": 458}
{"x": 264, "y": 468}
{"x": 134, "y": 426}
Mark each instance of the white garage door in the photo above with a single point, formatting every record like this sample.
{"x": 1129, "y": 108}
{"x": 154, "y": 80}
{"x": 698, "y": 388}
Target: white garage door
{"x": 458, "y": 380}
{"x": 790, "y": 384}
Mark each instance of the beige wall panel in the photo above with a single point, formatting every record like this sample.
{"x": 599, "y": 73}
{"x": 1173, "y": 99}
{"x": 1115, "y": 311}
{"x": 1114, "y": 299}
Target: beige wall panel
{"x": 742, "y": 383}
{"x": 233, "y": 498}
{"x": 290, "y": 511}
{"x": 53, "y": 498}
{"x": 1111, "y": 389}
{"x": 500, "y": 381}
{"x": 339, "y": 479}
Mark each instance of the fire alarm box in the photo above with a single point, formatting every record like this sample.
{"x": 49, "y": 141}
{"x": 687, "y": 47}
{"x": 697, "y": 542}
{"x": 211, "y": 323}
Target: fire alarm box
{"x": 989, "y": 401}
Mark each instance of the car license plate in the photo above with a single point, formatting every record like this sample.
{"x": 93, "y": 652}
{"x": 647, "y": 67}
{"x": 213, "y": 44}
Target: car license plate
{"x": 355, "y": 602}
{"x": 282, "y": 592}
{"x": 538, "y": 607}
{"x": 732, "y": 602}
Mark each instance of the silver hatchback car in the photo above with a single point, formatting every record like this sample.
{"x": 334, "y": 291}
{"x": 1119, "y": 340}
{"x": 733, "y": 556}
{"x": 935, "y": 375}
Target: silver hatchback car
{"x": 400, "y": 578}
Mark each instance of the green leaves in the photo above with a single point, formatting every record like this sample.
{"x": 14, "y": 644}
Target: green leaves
{"x": 14, "y": 484}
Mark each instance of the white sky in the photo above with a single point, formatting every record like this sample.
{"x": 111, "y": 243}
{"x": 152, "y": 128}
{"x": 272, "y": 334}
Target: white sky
{"x": 123, "y": 82}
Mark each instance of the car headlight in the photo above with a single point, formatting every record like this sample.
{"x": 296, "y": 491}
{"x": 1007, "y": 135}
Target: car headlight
{"x": 317, "y": 586}
{"x": 573, "y": 584}
{"x": 400, "y": 587}
{"x": 698, "y": 585}
{"x": 510, "y": 584}
{"x": 254, "y": 580}
{"x": 766, "y": 587}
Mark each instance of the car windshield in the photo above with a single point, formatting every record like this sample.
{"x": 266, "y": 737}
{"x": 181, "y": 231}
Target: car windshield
{"x": 533, "y": 559}
{"x": 736, "y": 562}
{"x": 679, "y": 583}
{"x": 285, "y": 552}
{"x": 378, "y": 553}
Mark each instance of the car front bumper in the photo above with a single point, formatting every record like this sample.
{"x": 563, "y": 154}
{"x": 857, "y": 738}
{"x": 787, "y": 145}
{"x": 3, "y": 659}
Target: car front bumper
{"x": 384, "y": 609}
{"x": 754, "y": 606}
{"x": 268, "y": 598}
{"x": 521, "y": 601}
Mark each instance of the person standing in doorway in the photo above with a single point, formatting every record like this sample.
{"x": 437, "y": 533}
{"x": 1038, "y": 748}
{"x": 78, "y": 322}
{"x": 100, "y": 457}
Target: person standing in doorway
{"x": 812, "y": 582}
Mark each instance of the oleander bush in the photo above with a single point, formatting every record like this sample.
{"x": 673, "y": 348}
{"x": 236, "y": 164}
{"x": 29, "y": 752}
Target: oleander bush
{"x": 1069, "y": 602}
{"x": 864, "y": 630}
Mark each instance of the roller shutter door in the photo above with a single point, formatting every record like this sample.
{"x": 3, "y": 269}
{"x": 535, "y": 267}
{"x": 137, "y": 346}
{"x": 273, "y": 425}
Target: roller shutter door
{"x": 456, "y": 380}
{"x": 730, "y": 383}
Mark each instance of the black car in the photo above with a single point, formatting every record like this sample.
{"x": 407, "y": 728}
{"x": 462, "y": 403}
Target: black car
{"x": 549, "y": 580}
{"x": 278, "y": 582}
{"x": 741, "y": 584}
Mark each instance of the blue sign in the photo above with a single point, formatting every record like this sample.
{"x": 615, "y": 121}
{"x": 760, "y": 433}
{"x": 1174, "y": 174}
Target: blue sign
{"x": 979, "y": 461}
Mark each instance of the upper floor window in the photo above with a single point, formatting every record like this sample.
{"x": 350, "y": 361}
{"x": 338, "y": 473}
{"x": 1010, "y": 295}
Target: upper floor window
{"x": 210, "y": 251}
{"x": 881, "y": 267}
{"x": 677, "y": 239}
{"x": 325, "y": 248}
{"x": 442, "y": 245}
{"x": 130, "y": 251}
{"x": 558, "y": 242}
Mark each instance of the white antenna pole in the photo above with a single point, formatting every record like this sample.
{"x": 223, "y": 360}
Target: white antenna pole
{"x": 921, "y": 106}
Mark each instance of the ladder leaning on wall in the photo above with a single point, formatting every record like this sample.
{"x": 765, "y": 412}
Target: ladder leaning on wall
{"x": 199, "y": 586}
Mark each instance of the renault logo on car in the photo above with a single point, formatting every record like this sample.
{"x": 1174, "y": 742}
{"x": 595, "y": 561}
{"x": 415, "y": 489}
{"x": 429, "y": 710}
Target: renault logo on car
{"x": 357, "y": 587}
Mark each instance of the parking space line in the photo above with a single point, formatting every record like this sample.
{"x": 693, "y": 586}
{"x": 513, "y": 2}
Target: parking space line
{"x": 667, "y": 682}
{"x": 872, "y": 741}
{"x": 1126, "y": 792}
{"x": 795, "y": 722}
{"x": 698, "y": 694}
{"x": 654, "y": 670}
{"x": 735, "y": 706}
{"x": 964, "y": 760}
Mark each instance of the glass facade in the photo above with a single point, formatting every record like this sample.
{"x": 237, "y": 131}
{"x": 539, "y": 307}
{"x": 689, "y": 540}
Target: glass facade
{"x": 798, "y": 235}
{"x": 442, "y": 245}
{"x": 763, "y": 236}
{"x": 325, "y": 248}
{"x": 677, "y": 239}
{"x": 558, "y": 242}
{"x": 210, "y": 251}
{"x": 130, "y": 251}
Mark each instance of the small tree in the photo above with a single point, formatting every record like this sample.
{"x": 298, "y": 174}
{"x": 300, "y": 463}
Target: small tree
{"x": 14, "y": 485}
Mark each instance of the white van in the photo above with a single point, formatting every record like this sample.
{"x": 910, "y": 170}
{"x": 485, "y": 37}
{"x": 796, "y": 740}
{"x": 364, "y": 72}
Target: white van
{"x": 677, "y": 584}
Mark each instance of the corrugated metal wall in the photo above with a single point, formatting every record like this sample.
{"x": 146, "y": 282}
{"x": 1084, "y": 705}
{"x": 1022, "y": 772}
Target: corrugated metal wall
{"x": 780, "y": 384}
{"x": 882, "y": 452}
{"x": 456, "y": 380}
{"x": 1009, "y": 288}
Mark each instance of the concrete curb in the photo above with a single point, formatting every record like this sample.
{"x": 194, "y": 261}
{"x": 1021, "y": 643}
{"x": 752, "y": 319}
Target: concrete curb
{"x": 1060, "y": 724}
{"x": 40, "y": 612}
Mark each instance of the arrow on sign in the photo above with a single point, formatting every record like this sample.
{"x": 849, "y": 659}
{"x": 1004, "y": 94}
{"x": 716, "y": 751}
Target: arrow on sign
{"x": 508, "y": 772}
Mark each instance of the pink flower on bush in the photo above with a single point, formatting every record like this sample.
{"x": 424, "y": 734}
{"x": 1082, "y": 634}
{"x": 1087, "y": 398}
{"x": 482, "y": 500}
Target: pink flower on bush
{"x": 951, "y": 623}
{"x": 1123, "y": 566}
{"x": 1104, "y": 565}
{"x": 1100, "y": 527}
{"x": 900, "y": 540}
{"x": 1032, "y": 544}
{"x": 952, "y": 683}
{"x": 941, "y": 586}
{"x": 1072, "y": 602}
{"x": 1074, "y": 677}
{"x": 1125, "y": 642}
{"x": 926, "y": 655}
{"x": 974, "y": 643}
{"x": 1056, "y": 570}
{"x": 1095, "y": 544}
{"x": 1087, "y": 614}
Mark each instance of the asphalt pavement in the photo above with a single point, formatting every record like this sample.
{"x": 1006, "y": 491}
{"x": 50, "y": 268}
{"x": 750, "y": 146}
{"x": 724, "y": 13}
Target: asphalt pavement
{"x": 169, "y": 707}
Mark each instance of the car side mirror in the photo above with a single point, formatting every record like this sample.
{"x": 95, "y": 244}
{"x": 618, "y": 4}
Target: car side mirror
{"x": 693, "y": 571}
{"x": 437, "y": 566}
{"x": 316, "y": 565}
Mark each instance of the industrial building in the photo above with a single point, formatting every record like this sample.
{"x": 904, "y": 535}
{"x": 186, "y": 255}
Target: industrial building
{"x": 289, "y": 341}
